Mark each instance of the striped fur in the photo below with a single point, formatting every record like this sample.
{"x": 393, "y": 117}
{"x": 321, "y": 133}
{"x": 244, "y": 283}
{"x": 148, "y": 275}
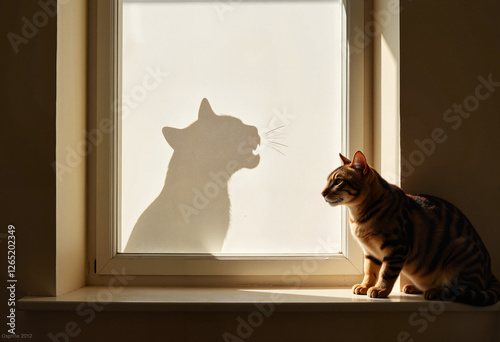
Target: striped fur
{"x": 424, "y": 237}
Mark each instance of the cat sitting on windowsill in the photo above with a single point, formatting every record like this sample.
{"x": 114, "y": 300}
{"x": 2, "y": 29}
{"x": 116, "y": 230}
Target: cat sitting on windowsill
{"x": 424, "y": 237}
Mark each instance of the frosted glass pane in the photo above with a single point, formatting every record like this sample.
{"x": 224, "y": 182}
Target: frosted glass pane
{"x": 274, "y": 68}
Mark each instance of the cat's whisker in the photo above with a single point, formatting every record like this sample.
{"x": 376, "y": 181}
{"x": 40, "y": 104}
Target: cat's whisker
{"x": 274, "y": 148}
{"x": 274, "y": 129}
{"x": 279, "y": 135}
{"x": 271, "y": 119}
{"x": 277, "y": 143}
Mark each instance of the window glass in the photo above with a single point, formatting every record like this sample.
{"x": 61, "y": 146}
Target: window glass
{"x": 242, "y": 170}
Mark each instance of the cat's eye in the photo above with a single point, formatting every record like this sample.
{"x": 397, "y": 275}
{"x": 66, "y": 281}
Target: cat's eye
{"x": 337, "y": 181}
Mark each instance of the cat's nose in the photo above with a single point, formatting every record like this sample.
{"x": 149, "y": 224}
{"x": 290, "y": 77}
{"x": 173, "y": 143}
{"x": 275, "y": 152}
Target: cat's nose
{"x": 324, "y": 193}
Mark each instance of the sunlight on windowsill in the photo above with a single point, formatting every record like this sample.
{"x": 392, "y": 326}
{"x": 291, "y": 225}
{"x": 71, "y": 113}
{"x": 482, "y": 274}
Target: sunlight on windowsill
{"x": 234, "y": 300}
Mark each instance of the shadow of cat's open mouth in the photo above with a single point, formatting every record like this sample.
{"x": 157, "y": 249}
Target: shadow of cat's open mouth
{"x": 254, "y": 157}
{"x": 256, "y": 150}
{"x": 250, "y": 151}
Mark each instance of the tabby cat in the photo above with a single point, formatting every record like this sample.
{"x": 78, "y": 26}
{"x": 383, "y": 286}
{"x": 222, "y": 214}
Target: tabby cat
{"x": 423, "y": 237}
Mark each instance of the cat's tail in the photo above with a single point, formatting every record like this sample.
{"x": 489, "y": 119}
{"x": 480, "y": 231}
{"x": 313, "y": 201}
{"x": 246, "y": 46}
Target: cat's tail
{"x": 482, "y": 298}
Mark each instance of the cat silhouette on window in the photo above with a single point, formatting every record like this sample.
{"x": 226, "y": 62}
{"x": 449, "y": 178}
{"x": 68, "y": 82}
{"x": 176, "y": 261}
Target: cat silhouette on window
{"x": 192, "y": 212}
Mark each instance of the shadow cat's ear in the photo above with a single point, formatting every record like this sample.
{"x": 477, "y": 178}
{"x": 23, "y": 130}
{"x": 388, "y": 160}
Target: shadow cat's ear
{"x": 359, "y": 163}
{"x": 205, "y": 111}
{"x": 344, "y": 159}
{"x": 172, "y": 135}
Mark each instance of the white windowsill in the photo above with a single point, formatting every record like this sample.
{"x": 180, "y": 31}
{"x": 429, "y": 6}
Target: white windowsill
{"x": 233, "y": 300}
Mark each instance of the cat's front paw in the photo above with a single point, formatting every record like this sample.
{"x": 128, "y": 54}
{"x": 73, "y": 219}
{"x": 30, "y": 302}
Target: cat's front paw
{"x": 378, "y": 292}
{"x": 411, "y": 289}
{"x": 433, "y": 294}
{"x": 359, "y": 289}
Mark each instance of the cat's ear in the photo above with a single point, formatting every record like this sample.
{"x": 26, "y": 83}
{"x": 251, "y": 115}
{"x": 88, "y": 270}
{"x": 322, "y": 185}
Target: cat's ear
{"x": 172, "y": 135}
{"x": 359, "y": 163}
{"x": 344, "y": 159}
{"x": 205, "y": 111}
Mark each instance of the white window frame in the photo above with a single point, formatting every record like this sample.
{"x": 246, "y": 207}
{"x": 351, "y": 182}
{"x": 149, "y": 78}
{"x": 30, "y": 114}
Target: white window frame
{"x": 200, "y": 269}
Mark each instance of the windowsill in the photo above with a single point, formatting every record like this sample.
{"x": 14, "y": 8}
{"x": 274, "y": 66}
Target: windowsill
{"x": 234, "y": 300}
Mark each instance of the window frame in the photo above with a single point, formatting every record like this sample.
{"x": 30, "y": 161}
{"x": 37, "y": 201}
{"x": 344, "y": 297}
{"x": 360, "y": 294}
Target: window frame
{"x": 104, "y": 88}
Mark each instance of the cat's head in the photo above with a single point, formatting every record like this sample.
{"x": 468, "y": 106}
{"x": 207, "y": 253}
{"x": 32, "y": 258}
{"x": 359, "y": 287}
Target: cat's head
{"x": 346, "y": 184}
{"x": 216, "y": 142}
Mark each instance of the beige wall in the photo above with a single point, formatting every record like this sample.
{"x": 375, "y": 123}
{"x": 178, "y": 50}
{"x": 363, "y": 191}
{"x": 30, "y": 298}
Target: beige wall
{"x": 27, "y": 143}
{"x": 71, "y": 127}
{"x": 445, "y": 47}
{"x": 43, "y": 92}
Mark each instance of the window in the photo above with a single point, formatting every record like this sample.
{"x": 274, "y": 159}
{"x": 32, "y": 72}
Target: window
{"x": 226, "y": 119}
{"x": 274, "y": 65}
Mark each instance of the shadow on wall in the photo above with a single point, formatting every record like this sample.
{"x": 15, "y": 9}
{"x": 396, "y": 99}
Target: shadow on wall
{"x": 192, "y": 212}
